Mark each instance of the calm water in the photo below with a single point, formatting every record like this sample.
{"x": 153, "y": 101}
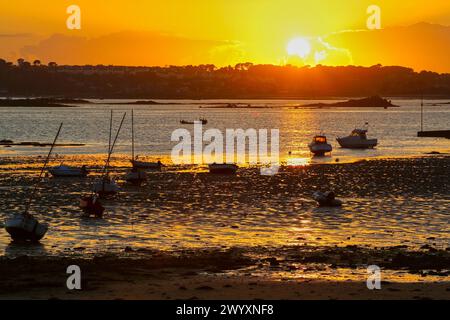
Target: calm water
{"x": 180, "y": 209}
{"x": 396, "y": 129}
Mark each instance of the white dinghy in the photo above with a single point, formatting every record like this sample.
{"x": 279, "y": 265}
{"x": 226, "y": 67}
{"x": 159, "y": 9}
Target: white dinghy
{"x": 24, "y": 227}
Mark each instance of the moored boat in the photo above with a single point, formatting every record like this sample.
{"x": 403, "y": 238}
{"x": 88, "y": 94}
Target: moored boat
{"x": 146, "y": 165}
{"x": 25, "y": 227}
{"x": 66, "y": 171}
{"x": 136, "y": 177}
{"x": 140, "y": 165}
{"x": 106, "y": 187}
{"x": 319, "y": 145}
{"x": 327, "y": 199}
{"x": 223, "y": 168}
{"x": 357, "y": 140}
{"x": 201, "y": 120}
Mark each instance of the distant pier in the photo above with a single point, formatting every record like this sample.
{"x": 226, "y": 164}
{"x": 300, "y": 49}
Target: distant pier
{"x": 434, "y": 134}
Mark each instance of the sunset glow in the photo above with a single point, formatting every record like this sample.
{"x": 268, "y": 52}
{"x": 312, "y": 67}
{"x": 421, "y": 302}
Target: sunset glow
{"x": 228, "y": 32}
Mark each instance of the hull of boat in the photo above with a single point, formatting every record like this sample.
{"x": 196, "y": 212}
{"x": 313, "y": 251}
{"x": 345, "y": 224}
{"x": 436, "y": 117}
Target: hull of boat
{"x": 25, "y": 228}
{"x": 356, "y": 143}
{"x": 136, "y": 177}
{"x": 106, "y": 188}
{"x": 146, "y": 165}
{"x": 320, "y": 149}
{"x": 223, "y": 168}
{"x": 67, "y": 172}
{"x": 325, "y": 200}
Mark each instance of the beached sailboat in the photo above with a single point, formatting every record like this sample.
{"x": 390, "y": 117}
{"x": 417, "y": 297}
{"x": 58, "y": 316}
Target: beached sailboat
{"x": 107, "y": 186}
{"x": 357, "y": 140}
{"x": 319, "y": 145}
{"x": 136, "y": 176}
{"x": 69, "y": 172}
{"x": 223, "y": 168}
{"x": 144, "y": 165}
{"x": 24, "y": 226}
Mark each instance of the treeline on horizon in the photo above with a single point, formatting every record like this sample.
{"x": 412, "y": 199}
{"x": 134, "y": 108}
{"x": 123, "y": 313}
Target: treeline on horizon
{"x": 245, "y": 80}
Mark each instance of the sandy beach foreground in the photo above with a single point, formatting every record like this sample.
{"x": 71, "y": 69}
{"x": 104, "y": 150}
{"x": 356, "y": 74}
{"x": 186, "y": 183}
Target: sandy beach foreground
{"x": 199, "y": 276}
{"x": 186, "y": 234}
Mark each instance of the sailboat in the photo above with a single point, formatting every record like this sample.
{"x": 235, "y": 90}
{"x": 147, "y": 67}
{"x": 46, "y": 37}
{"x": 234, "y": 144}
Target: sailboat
{"x": 134, "y": 159}
{"x": 24, "y": 226}
{"x": 107, "y": 186}
{"x": 136, "y": 175}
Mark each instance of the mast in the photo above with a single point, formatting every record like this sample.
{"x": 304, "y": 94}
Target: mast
{"x": 421, "y": 115}
{"x": 110, "y": 130}
{"x": 113, "y": 144}
{"x": 32, "y": 194}
{"x": 132, "y": 134}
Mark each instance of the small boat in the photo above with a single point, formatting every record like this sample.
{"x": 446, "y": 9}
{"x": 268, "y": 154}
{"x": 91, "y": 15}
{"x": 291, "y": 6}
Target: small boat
{"x": 136, "y": 177}
{"x": 91, "y": 206}
{"x": 66, "y": 171}
{"x": 106, "y": 187}
{"x": 319, "y": 146}
{"x": 223, "y": 168}
{"x": 146, "y": 165}
{"x": 141, "y": 165}
{"x": 327, "y": 199}
{"x": 25, "y": 227}
{"x": 202, "y": 120}
{"x": 357, "y": 140}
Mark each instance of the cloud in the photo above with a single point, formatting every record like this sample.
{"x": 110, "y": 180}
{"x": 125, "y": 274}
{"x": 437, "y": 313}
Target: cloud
{"x": 133, "y": 48}
{"x": 421, "y": 46}
{"x": 323, "y": 53}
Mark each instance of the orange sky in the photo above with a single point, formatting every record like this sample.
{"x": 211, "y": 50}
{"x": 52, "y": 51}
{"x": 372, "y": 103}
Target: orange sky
{"x": 222, "y": 32}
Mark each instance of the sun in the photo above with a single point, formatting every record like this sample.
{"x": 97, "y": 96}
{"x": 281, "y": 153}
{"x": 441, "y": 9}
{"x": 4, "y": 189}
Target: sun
{"x": 299, "y": 47}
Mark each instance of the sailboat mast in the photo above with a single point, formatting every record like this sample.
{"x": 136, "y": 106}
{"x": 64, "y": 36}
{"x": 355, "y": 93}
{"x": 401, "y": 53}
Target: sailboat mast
{"x": 110, "y": 131}
{"x": 421, "y": 115}
{"x": 132, "y": 134}
{"x": 113, "y": 144}
{"x": 42, "y": 171}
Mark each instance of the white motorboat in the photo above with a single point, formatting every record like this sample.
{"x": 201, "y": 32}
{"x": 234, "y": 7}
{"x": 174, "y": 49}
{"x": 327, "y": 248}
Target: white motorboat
{"x": 319, "y": 146}
{"x": 223, "y": 168}
{"x": 24, "y": 227}
{"x": 357, "y": 140}
{"x": 66, "y": 171}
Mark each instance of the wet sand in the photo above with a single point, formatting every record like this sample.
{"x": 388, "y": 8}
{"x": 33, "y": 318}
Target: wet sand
{"x": 187, "y": 234}
{"x": 206, "y": 275}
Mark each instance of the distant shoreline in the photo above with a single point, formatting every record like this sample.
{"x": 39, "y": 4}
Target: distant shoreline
{"x": 348, "y": 102}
